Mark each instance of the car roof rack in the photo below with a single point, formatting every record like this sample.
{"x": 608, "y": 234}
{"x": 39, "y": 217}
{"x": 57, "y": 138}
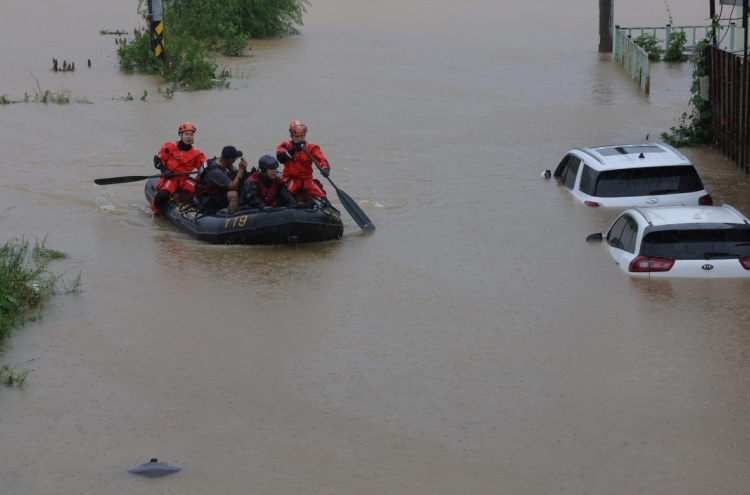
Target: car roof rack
{"x": 584, "y": 150}
{"x": 736, "y": 212}
{"x": 643, "y": 214}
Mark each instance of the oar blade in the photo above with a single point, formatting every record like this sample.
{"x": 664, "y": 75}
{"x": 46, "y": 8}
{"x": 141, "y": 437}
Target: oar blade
{"x": 355, "y": 211}
{"x": 121, "y": 180}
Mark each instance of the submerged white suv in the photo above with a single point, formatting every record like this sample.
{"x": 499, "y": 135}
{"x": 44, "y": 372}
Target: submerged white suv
{"x": 631, "y": 175}
{"x": 681, "y": 241}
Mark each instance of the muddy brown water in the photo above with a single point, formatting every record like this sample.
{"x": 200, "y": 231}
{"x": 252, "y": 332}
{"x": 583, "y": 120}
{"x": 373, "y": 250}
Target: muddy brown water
{"x": 473, "y": 344}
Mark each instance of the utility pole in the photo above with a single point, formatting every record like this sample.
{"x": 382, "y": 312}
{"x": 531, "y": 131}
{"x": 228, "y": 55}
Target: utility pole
{"x": 712, "y": 13}
{"x": 156, "y": 28}
{"x": 744, "y": 24}
{"x": 606, "y": 23}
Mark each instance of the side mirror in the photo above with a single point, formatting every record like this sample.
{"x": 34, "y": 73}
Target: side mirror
{"x": 546, "y": 174}
{"x": 594, "y": 237}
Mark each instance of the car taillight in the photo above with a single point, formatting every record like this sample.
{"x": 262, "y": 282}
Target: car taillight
{"x": 706, "y": 200}
{"x": 745, "y": 263}
{"x": 645, "y": 264}
{"x": 591, "y": 203}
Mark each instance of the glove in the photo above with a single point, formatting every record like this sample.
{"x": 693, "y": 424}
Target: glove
{"x": 157, "y": 163}
{"x": 267, "y": 209}
{"x": 298, "y": 145}
{"x": 326, "y": 172}
{"x": 284, "y": 156}
{"x": 168, "y": 175}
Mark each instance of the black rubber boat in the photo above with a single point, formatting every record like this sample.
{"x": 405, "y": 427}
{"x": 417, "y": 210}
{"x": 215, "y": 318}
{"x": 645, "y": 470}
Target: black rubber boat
{"x": 304, "y": 223}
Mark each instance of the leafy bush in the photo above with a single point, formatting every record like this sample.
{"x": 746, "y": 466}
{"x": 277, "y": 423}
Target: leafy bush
{"x": 212, "y": 20}
{"x": 25, "y": 281}
{"x": 694, "y": 127}
{"x": 675, "y": 47}
{"x": 652, "y": 45}
{"x": 193, "y": 28}
{"x": 188, "y": 65}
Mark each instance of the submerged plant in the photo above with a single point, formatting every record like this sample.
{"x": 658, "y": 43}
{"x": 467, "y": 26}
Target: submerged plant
{"x": 10, "y": 378}
{"x": 193, "y": 29}
{"x": 676, "y": 47}
{"x": 26, "y": 284}
{"x": 652, "y": 45}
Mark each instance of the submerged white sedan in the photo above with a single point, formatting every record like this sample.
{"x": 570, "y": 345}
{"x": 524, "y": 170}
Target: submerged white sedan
{"x": 681, "y": 241}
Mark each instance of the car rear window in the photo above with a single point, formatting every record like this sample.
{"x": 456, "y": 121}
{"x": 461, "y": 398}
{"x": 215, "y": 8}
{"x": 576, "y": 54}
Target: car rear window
{"x": 649, "y": 181}
{"x": 699, "y": 244}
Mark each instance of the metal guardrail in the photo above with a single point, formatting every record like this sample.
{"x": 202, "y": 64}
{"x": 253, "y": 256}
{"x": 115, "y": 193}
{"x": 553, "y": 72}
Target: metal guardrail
{"x": 633, "y": 59}
{"x": 669, "y": 28}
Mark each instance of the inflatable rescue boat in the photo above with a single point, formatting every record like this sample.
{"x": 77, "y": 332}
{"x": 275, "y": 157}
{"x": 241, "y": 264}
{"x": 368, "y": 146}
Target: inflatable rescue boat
{"x": 304, "y": 223}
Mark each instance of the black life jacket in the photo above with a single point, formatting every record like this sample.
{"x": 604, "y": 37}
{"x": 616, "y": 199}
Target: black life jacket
{"x": 201, "y": 188}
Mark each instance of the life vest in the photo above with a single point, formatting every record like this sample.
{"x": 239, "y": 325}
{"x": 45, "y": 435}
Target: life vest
{"x": 267, "y": 194}
{"x": 301, "y": 166}
{"x": 177, "y": 160}
{"x": 201, "y": 188}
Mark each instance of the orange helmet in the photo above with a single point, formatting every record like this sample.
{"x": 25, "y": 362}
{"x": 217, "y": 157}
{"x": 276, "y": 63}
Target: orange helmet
{"x": 186, "y": 126}
{"x": 297, "y": 128}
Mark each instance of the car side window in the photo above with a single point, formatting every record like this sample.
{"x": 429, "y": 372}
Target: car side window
{"x": 615, "y": 233}
{"x": 628, "y": 236}
{"x": 561, "y": 166}
{"x": 570, "y": 172}
{"x": 588, "y": 180}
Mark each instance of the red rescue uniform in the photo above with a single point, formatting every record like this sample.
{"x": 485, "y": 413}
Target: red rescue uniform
{"x": 177, "y": 161}
{"x": 298, "y": 172}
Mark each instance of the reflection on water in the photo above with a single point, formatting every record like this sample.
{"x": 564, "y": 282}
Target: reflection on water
{"x": 475, "y": 343}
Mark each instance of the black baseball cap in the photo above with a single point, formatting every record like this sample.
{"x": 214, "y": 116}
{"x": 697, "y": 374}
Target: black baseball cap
{"x": 231, "y": 152}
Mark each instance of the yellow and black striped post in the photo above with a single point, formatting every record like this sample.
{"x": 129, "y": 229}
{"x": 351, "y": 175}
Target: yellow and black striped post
{"x": 156, "y": 28}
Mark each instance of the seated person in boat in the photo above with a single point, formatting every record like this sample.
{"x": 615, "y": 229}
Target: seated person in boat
{"x": 298, "y": 165}
{"x": 175, "y": 158}
{"x": 264, "y": 189}
{"x": 217, "y": 184}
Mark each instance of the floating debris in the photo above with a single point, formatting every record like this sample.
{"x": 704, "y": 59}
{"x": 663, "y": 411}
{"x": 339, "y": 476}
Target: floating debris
{"x": 89, "y": 62}
{"x": 155, "y": 468}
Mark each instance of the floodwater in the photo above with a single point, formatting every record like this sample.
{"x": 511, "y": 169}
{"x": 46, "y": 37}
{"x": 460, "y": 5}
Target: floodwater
{"x": 473, "y": 344}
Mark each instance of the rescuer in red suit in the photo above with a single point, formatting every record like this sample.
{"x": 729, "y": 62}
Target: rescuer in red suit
{"x": 264, "y": 189}
{"x": 174, "y": 158}
{"x": 298, "y": 167}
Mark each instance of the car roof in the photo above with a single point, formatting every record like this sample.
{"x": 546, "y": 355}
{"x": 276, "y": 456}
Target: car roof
{"x": 632, "y": 156}
{"x": 669, "y": 215}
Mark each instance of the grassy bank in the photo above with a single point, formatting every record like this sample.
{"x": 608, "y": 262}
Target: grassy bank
{"x": 195, "y": 29}
{"x": 26, "y": 284}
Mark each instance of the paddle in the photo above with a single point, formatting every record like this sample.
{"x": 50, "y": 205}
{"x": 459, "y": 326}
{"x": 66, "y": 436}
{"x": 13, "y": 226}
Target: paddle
{"x": 353, "y": 208}
{"x": 133, "y": 178}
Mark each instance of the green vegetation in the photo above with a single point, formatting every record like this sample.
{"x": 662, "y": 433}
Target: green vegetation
{"x": 107, "y": 31}
{"x": 694, "y": 127}
{"x": 675, "y": 47}
{"x": 26, "y": 283}
{"x": 189, "y": 64}
{"x": 652, "y": 45}
{"x": 11, "y": 378}
{"x": 194, "y": 29}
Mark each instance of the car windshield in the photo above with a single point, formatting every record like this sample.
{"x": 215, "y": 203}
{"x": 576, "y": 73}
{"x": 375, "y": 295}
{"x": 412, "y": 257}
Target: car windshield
{"x": 731, "y": 242}
{"x": 649, "y": 181}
